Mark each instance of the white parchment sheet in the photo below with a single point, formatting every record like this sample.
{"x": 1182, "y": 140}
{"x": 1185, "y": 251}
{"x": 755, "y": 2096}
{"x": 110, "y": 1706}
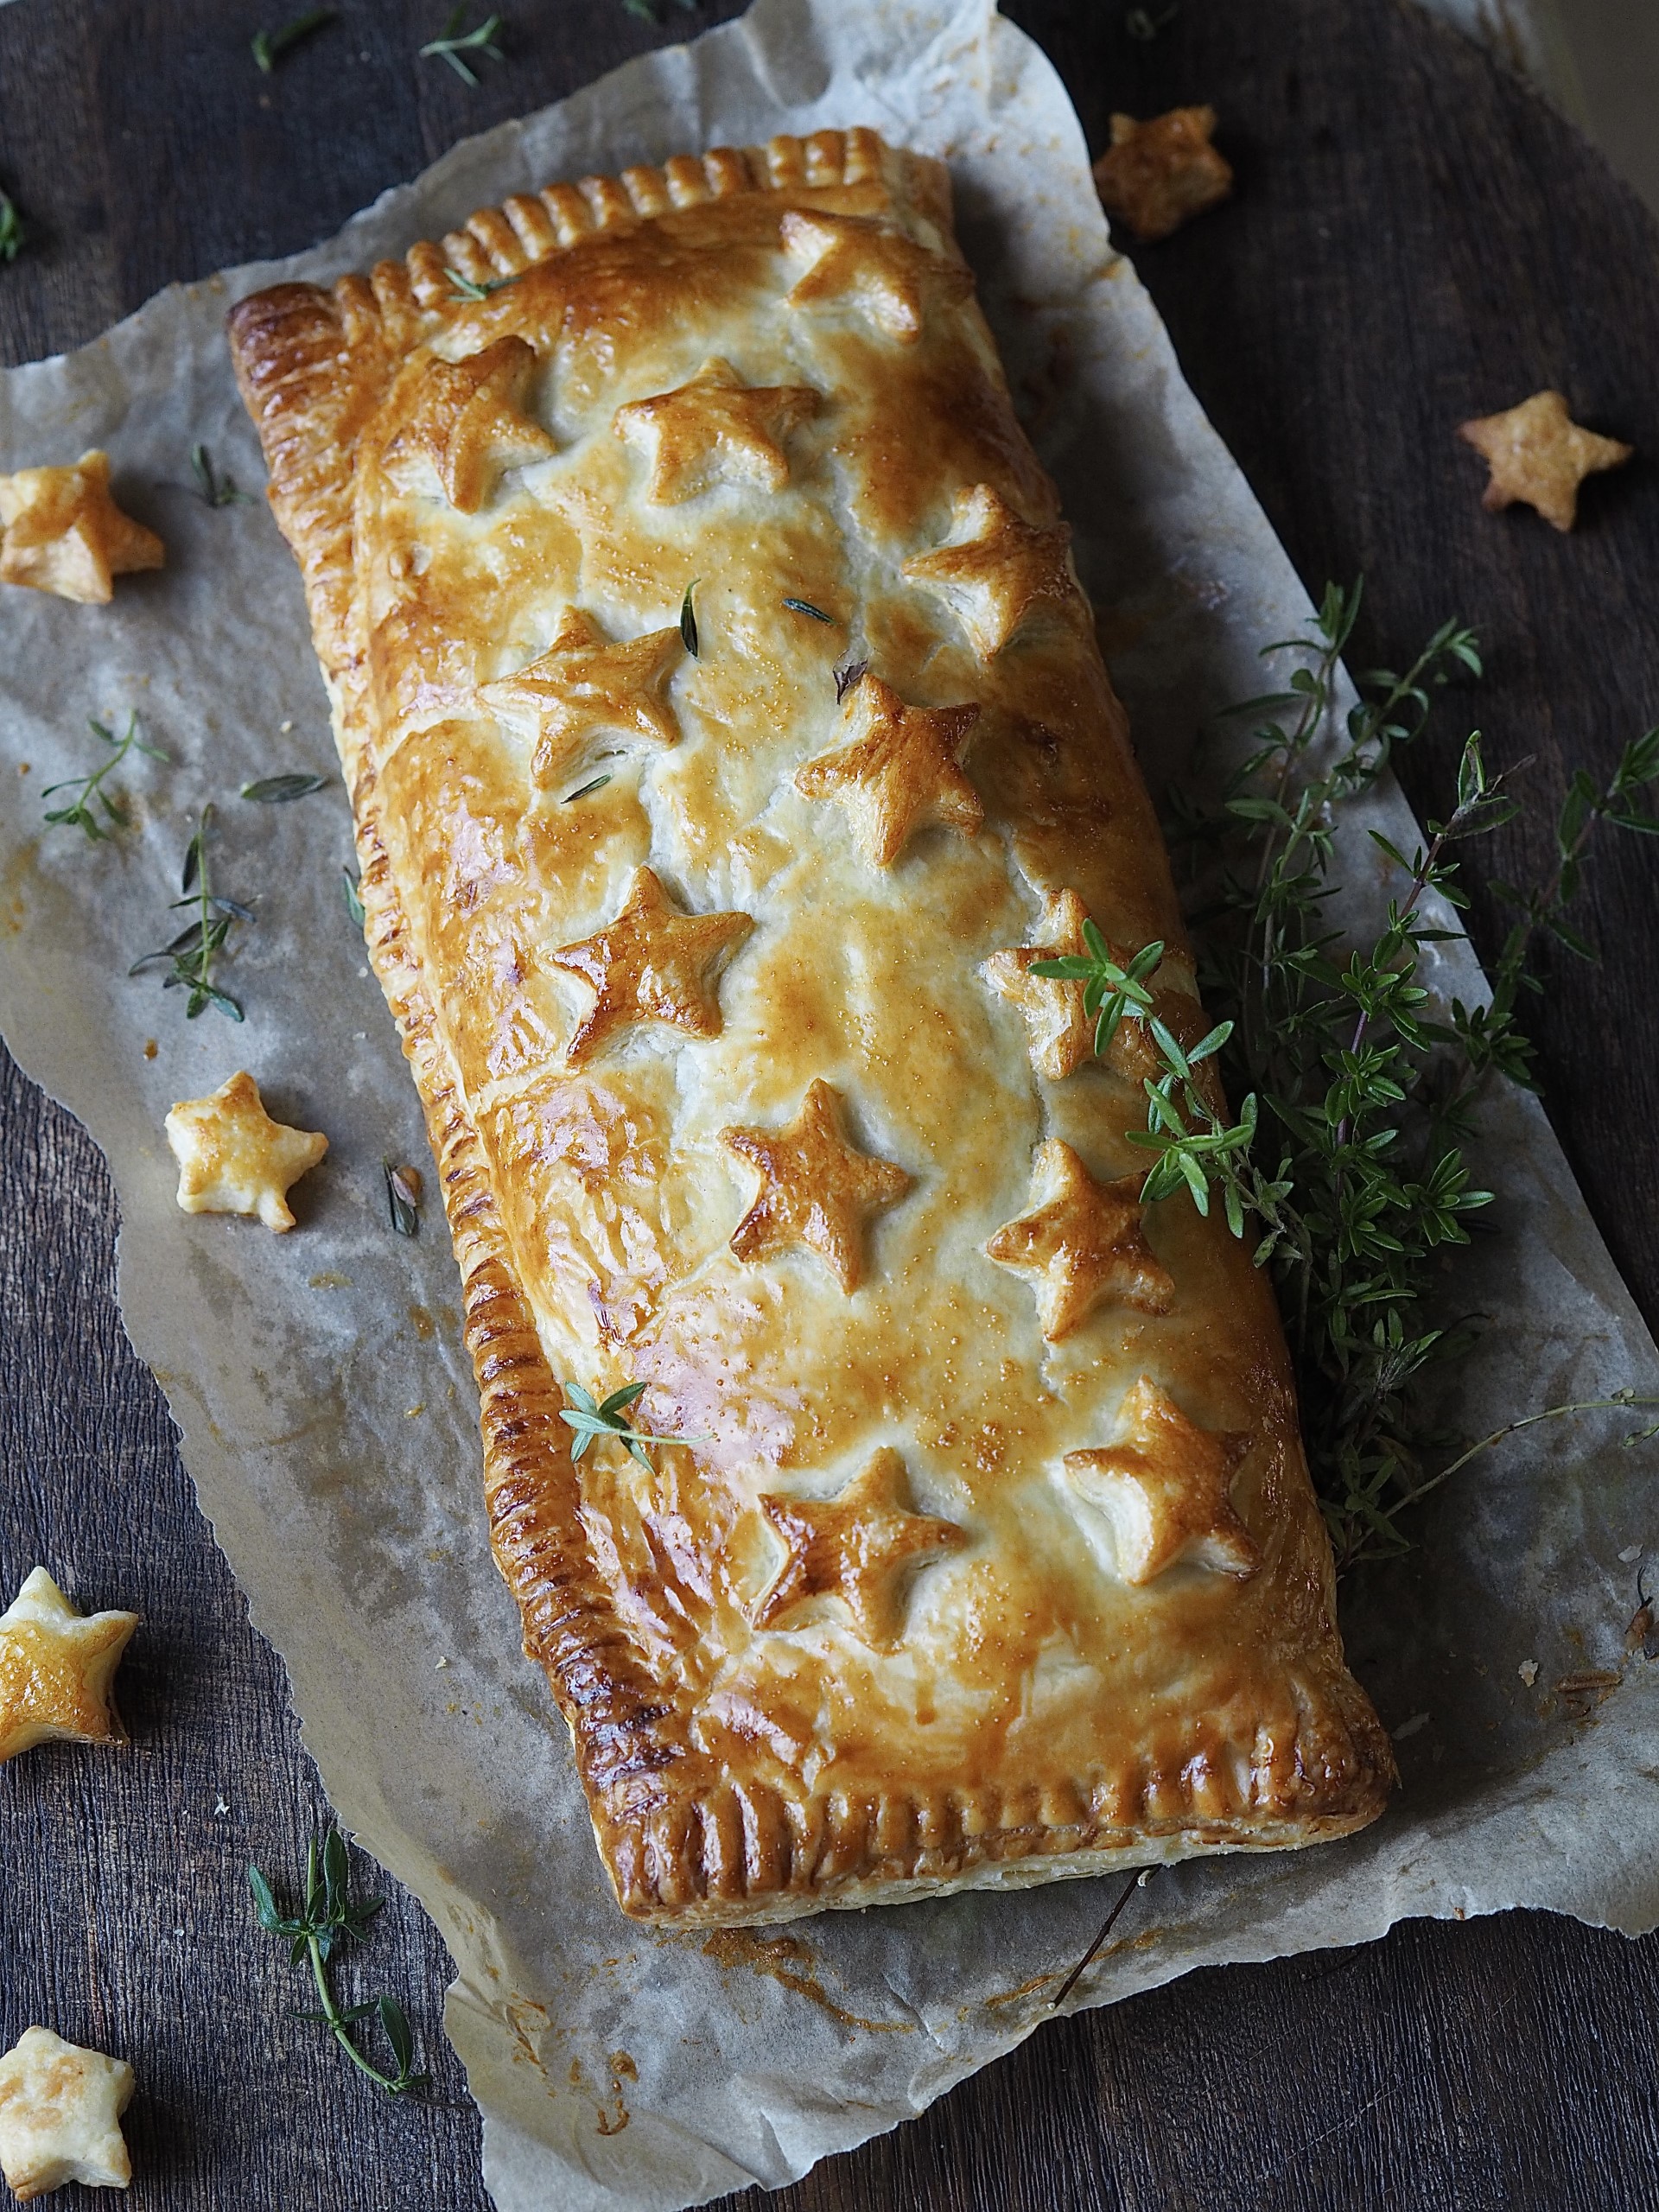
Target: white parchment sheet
{"x": 327, "y": 1409}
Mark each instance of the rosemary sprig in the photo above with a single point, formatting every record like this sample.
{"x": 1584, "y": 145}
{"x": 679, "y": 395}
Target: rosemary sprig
{"x": 607, "y": 1417}
{"x": 452, "y": 44}
{"x": 403, "y": 1197}
{"x": 585, "y": 791}
{"x": 688, "y": 619}
{"x": 192, "y": 952}
{"x": 216, "y": 490}
{"x": 270, "y": 47}
{"x": 331, "y": 1914}
{"x": 1361, "y": 1098}
{"x": 465, "y": 288}
{"x": 283, "y": 790}
{"x": 11, "y": 228}
{"x": 805, "y": 606}
{"x": 80, "y": 814}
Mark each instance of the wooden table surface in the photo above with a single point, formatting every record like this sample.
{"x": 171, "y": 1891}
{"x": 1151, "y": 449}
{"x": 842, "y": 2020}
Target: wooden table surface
{"x": 1415, "y": 239}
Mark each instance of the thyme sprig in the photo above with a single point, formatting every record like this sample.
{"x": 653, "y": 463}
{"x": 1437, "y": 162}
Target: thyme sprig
{"x": 11, "y": 228}
{"x": 91, "y": 794}
{"x": 269, "y": 47}
{"x": 212, "y": 488}
{"x": 191, "y": 955}
{"x": 329, "y": 1916}
{"x": 608, "y": 1417}
{"x": 452, "y": 44}
{"x": 1351, "y": 1087}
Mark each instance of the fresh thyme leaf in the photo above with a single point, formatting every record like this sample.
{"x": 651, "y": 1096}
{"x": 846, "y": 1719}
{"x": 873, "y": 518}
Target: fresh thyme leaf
{"x": 689, "y": 620}
{"x": 214, "y": 489}
{"x": 352, "y": 892}
{"x": 281, "y": 790}
{"x": 853, "y": 673}
{"x": 452, "y": 44}
{"x": 1145, "y": 23}
{"x": 607, "y": 1417}
{"x": 330, "y": 1915}
{"x": 466, "y": 288}
{"x": 11, "y": 228}
{"x": 805, "y": 606}
{"x": 403, "y": 1197}
{"x": 583, "y": 790}
{"x": 269, "y": 47}
{"x": 191, "y": 955}
{"x": 90, "y": 791}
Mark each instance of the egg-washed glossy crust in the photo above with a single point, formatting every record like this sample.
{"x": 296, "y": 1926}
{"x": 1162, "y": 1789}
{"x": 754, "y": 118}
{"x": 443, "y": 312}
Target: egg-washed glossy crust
{"x": 925, "y": 1598}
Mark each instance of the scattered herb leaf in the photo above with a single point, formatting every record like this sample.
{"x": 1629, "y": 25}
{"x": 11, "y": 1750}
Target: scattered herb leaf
{"x": 216, "y": 490}
{"x": 191, "y": 955}
{"x": 846, "y": 677}
{"x": 805, "y": 606}
{"x": 688, "y": 619}
{"x": 466, "y": 288}
{"x": 269, "y": 47}
{"x": 281, "y": 791}
{"x": 583, "y": 790}
{"x": 351, "y": 891}
{"x": 608, "y": 1418}
{"x": 1145, "y": 23}
{"x": 452, "y": 44}
{"x": 403, "y": 1197}
{"x": 11, "y": 228}
{"x": 89, "y": 791}
{"x": 331, "y": 1915}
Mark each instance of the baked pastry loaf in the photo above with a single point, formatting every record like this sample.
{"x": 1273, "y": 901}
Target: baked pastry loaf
{"x": 727, "y": 732}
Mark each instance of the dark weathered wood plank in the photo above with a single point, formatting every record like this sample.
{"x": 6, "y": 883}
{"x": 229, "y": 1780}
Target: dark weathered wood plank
{"x": 1414, "y": 239}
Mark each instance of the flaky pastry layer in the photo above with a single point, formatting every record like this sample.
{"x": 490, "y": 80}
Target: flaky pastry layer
{"x": 726, "y": 737}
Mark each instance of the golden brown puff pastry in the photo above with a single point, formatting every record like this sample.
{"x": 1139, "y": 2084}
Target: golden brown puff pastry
{"x": 988, "y": 1554}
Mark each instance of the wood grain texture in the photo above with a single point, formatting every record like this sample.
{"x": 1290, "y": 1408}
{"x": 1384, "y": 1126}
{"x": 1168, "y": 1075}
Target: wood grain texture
{"x": 1414, "y": 239}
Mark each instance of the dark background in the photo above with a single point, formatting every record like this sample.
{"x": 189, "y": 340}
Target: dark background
{"x": 1415, "y": 239}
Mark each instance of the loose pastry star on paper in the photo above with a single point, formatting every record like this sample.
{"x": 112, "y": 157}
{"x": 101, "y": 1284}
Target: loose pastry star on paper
{"x": 63, "y": 533}
{"x": 468, "y": 423}
{"x": 234, "y": 1158}
{"x": 715, "y": 430}
{"x": 1082, "y": 1245}
{"x": 1165, "y": 1487}
{"x": 997, "y": 570}
{"x": 61, "y": 2108}
{"x": 816, "y": 1189}
{"x": 652, "y": 964}
{"x": 898, "y": 770}
{"x": 886, "y": 276}
{"x": 584, "y": 686}
{"x": 1538, "y": 455}
{"x": 855, "y": 1546}
{"x": 56, "y": 1666}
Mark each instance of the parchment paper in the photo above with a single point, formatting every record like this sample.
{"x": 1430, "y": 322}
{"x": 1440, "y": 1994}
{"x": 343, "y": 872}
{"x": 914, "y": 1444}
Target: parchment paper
{"x": 327, "y": 1410}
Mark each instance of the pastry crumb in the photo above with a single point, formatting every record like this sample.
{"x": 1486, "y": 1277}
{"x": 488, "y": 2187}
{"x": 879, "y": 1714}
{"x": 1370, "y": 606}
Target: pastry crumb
{"x": 151, "y": 1048}
{"x": 1418, "y": 1720}
{"x": 1527, "y": 1671}
{"x": 1158, "y": 174}
{"x": 1630, "y": 1554}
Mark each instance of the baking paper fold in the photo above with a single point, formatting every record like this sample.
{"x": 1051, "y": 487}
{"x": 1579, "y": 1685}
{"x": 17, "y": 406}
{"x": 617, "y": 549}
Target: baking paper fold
{"x": 326, "y": 1406}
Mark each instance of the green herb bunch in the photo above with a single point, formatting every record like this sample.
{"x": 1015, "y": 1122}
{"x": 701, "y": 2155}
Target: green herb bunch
{"x": 329, "y": 1915}
{"x": 1345, "y": 1161}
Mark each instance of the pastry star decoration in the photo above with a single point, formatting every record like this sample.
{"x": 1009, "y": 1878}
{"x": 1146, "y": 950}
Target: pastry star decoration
{"x": 997, "y": 570}
{"x": 1538, "y": 455}
{"x": 582, "y": 686}
{"x": 61, "y": 2111}
{"x": 1061, "y": 1034}
{"x": 898, "y": 770}
{"x": 856, "y": 1548}
{"x": 468, "y": 423}
{"x": 56, "y": 1666}
{"x": 652, "y": 964}
{"x": 234, "y": 1158}
{"x": 885, "y": 274}
{"x": 63, "y": 533}
{"x": 814, "y": 1189}
{"x": 1167, "y": 1490}
{"x": 1082, "y": 1245}
{"x": 716, "y": 429}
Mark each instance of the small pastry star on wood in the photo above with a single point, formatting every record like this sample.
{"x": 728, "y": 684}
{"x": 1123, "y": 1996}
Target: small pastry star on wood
{"x": 855, "y": 1546}
{"x": 814, "y": 1188}
{"x": 716, "y": 429}
{"x": 652, "y": 964}
{"x": 1158, "y": 174}
{"x": 63, "y": 533}
{"x": 583, "y": 686}
{"x": 61, "y": 2108}
{"x": 1166, "y": 1489}
{"x": 56, "y": 1666}
{"x": 887, "y": 276}
{"x": 469, "y": 422}
{"x": 997, "y": 571}
{"x": 234, "y": 1158}
{"x": 1061, "y": 1034}
{"x": 1082, "y": 1244}
{"x": 1538, "y": 455}
{"x": 898, "y": 770}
